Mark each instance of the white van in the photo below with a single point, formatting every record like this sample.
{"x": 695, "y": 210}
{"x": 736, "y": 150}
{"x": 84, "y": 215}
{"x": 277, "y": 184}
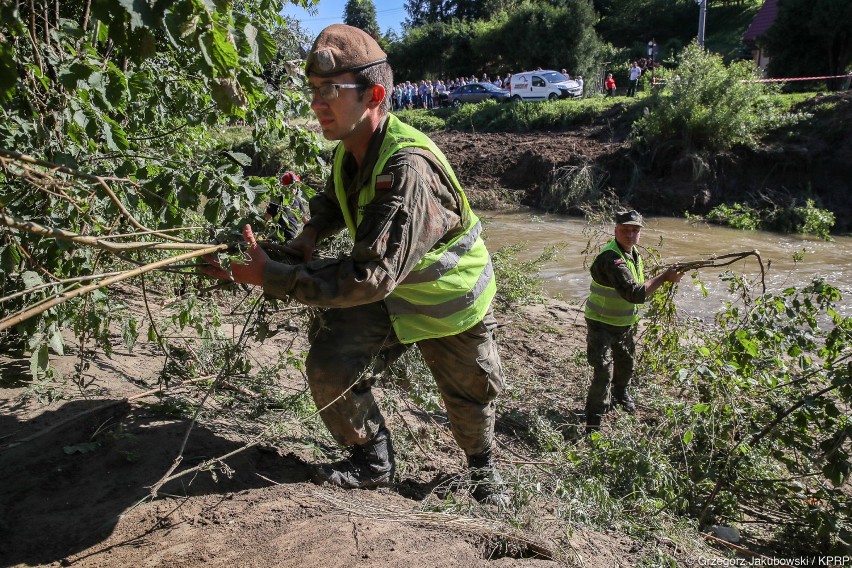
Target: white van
{"x": 543, "y": 86}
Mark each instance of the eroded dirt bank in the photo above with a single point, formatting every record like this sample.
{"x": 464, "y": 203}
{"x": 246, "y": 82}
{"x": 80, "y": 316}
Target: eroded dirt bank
{"x": 811, "y": 162}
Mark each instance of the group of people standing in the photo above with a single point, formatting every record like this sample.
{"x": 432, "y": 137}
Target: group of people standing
{"x": 427, "y": 93}
{"x": 418, "y": 274}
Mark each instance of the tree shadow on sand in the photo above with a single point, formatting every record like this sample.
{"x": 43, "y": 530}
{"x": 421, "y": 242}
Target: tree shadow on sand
{"x": 68, "y": 476}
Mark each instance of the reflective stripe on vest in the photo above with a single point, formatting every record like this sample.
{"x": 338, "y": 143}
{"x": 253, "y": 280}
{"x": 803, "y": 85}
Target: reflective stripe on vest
{"x": 448, "y": 260}
{"x": 400, "y": 306}
{"x": 605, "y": 304}
{"x": 451, "y": 287}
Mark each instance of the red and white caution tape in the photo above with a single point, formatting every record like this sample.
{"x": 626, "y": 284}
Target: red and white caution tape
{"x": 785, "y": 79}
{"x": 655, "y": 81}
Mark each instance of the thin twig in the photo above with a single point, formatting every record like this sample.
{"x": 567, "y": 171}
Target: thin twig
{"x": 713, "y": 262}
{"x": 411, "y": 433}
{"x": 57, "y": 283}
{"x": 250, "y": 444}
{"x": 97, "y": 242}
{"x": 150, "y": 232}
{"x": 733, "y": 546}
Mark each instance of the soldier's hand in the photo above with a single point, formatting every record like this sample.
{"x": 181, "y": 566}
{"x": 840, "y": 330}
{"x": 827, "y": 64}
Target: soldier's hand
{"x": 305, "y": 243}
{"x": 249, "y": 273}
{"x": 672, "y": 275}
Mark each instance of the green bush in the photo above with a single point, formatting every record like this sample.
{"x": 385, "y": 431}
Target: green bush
{"x": 753, "y": 414}
{"x": 807, "y": 220}
{"x": 705, "y": 105}
{"x": 738, "y": 216}
{"x": 815, "y": 221}
{"x": 421, "y": 120}
{"x": 518, "y": 281}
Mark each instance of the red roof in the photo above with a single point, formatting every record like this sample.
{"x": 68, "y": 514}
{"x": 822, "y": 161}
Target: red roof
{"x": 762, "y": 21}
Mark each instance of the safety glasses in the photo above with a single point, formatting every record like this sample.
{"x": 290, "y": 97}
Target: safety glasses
{"x": 329, "y": 91}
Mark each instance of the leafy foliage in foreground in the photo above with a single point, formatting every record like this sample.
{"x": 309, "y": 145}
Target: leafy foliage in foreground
{"x": 116, "y": 108}
{"x": 761, "y": 427}
{"x": 741, "y": 423}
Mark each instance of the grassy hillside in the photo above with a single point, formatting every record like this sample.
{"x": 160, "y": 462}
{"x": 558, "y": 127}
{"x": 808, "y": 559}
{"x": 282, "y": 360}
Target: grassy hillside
{"x": 725, "y": 26}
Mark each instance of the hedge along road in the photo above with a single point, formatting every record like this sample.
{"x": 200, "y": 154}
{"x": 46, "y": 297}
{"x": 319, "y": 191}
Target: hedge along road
{"x": 681, "y": 241}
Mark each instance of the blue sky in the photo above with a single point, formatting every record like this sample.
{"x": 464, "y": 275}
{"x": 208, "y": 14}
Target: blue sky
{"x": 389, "y": 13}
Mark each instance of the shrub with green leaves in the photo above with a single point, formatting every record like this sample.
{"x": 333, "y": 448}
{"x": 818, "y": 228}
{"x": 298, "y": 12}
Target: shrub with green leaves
{"x": 807, "y": 220}
{"x": 518, "y": 282}
{"x": 738, "y": 216}
{"x": 490, "y": 116}
{"x": 760, "y": 427}
{"x": 421, "y": 120}
{"x": 705, "y": 105}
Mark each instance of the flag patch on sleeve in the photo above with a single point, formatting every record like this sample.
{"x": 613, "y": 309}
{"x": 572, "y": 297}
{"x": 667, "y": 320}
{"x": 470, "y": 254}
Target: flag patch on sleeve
{"x": 619, "y": 262}
{"x": 384, "y": 181}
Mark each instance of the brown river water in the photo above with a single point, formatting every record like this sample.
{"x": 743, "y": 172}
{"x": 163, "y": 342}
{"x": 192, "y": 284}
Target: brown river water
{"x": 678, "y": 240}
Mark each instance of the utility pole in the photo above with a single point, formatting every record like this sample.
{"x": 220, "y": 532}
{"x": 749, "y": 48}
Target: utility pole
{"x": 702, "y": 18}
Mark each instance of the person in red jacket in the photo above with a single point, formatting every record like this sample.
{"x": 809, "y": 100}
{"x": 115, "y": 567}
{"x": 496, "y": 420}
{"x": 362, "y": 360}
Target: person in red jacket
{"x": 610, "y": 85}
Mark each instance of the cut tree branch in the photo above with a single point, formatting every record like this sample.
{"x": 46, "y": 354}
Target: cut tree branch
{"x": 18, "y": 318}
{"x": 96, "y": 242}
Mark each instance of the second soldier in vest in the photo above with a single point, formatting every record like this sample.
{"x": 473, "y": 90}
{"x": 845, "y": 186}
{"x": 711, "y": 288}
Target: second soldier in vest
{"x": 418, "y": 272}
{"x": 618, "y": 289}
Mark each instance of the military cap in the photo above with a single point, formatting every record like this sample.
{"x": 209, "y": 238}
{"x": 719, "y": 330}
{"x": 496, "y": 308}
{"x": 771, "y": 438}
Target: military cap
{"x": 631, "y": 217}
{"x": 340, "y": 48}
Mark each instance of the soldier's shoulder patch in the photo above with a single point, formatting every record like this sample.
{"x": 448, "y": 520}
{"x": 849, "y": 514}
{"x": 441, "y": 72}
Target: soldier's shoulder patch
{"x": 619, "y": 261}
{"x": 384, "y": 181}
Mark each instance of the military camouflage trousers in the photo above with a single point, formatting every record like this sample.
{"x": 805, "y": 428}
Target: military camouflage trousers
{"x": 610, "y": 351}
{"x": 352, "y": 347}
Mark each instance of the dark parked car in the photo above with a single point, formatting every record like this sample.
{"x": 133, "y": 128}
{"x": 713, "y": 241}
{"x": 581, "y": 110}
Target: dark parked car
{"x": 475, "y": 92}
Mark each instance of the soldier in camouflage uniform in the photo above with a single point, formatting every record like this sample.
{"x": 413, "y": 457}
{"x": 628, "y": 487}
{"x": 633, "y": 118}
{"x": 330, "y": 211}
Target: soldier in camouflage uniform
{"x": 418, "y": 273}
{"x": 618, "y": 289}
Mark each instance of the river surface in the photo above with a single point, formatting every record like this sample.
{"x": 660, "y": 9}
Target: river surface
{"x": 678, "y": 240}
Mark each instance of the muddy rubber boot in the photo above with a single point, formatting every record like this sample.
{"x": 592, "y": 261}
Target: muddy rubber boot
{"x": 625, "y": 401}
{"x": 370, "y": 466}
{"x": 486, "y": 484}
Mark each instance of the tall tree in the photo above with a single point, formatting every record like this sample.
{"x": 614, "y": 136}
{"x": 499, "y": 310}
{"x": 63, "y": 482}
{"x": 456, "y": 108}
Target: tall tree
{"x": 362, "y": 14}
{"x": 810, "y": 37}
{"x": 422, "y": 12}
{"x": 545, "y": 35}
{"x": 625, "y": 22}
{"x": 526, "y": 37}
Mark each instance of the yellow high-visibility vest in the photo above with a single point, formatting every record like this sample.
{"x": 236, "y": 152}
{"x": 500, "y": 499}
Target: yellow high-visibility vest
{"x": 604, "y": 303}
{"x": 451, "y": 288}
